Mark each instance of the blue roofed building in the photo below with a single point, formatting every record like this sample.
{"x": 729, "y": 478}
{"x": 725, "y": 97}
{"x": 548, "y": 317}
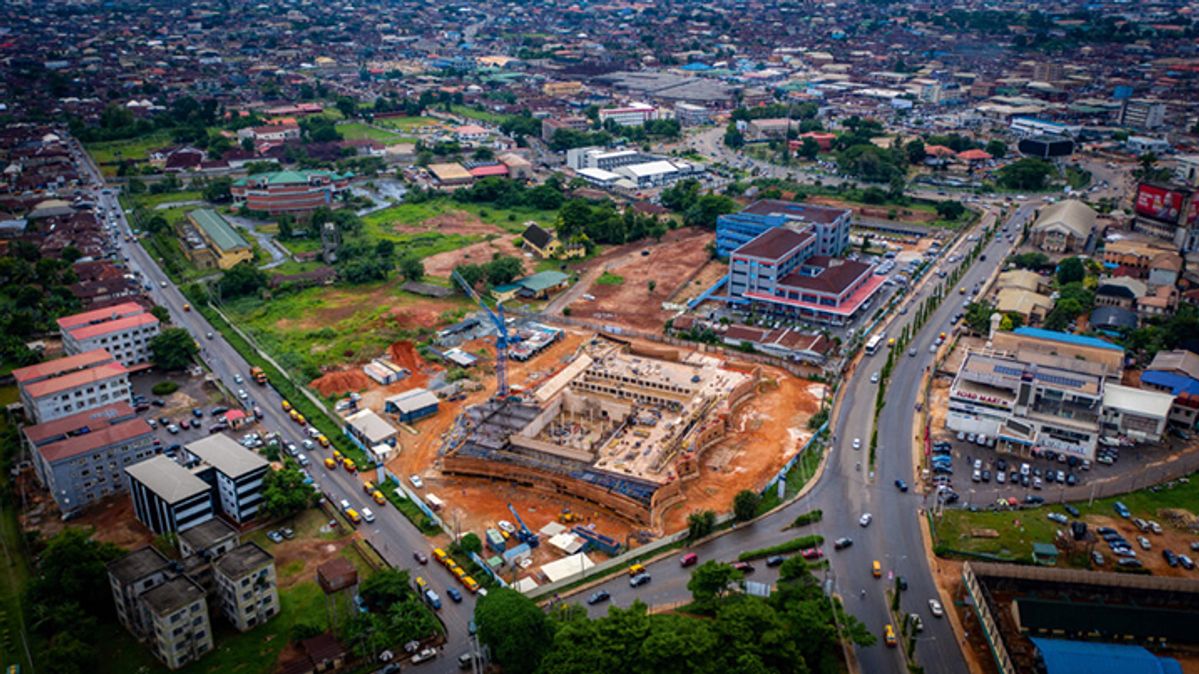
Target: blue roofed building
{"x": 829, "y": 225}
{"x": 1177, "y": 373}
{"x": 1062, "y": 656}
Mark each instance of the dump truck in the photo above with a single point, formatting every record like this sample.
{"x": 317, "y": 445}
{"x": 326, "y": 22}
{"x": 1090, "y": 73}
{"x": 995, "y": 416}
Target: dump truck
{"x": 259, "y": 375}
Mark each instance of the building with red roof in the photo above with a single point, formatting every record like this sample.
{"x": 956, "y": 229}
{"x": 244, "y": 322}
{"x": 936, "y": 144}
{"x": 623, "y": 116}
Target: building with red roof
{"x": 974, "y": 156}
{"x": 81, "y": 458}
{"x": 60, "y": 388}
{"x": 124, "y": 330}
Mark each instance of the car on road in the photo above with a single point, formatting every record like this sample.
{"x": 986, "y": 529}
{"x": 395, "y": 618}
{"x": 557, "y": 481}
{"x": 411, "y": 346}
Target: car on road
{"x": 689, "y": 559}
{"x": 901, "y": 485}
{"x": 775, "y": 560}
{"x": 420, "y": 557}
{"x": 416, "y": 481}
{"x": 912, "y": 352}
{"x": 172, "y": 429}
{"x": 842, "y": 543}
{"x": 597, "y": 597}
{"x": 811, "y": 553}
{"x": 865, "y": 519}
{"x": 241, "y": 394}
{"x": 743, "y": 567}
{"x": 368, "y": 515}
{"x": 876, "y": 569}
{"x": 424, "y": 656}
{"x": 889, "y": 636}
{"x": 454, "y": 594}
{"x": 639, "y": 580}
{"x": 935, "y": 608}
{"x": 162, "y": 284}
{"x": 874, "y": 378}
{"x": 857, "y": 443}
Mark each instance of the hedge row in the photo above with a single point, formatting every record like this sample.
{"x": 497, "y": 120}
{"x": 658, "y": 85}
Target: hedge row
{"x": 810, "y": 517}
{"x": 793, "y": 545}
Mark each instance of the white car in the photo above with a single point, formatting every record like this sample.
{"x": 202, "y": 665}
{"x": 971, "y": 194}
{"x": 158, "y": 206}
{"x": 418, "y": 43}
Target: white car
{"x": 416, "y": 481}
{"x": 1145, "y": 545}
{"x": 427, "y": 654}
{"x": 241, "y": 394}
{"x": 345, "y": 505}
{"x": 506, "y": 526}
{"x": 857, "y": 443}
{"x": 865, "y": 519}
{"x": 237, "y": 379}
{"x": 162, "y": 284}
{"x": 874, "y": 378}
{"x": 934, "y": 607}
{"x": 368, "y": 515}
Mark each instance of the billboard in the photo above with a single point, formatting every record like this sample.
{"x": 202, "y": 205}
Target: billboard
{"x": 1159, "y": 203}
{"x": 1193, "y": 217}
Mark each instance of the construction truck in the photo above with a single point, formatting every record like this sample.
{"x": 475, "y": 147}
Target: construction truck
{"x": 258, "y": 375}
{"x": 567, "y": 517}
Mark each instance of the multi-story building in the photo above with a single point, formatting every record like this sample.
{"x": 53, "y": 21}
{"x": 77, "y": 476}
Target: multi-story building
{"x": 168, "y": 497}
{"x": 216, "y": 244}
{"x": 203, "y": 544}
{"x": 289, "y": 191}
{"x": 829, "y": 225}
{"x": 1064, "y": 227}
{"x": 1169, "y": 212}
{"x": 237, "y": 474}
{"x": 777, "y": 275}
{"x": 81, "y": 458}
{"x": 1030, "y": 126}
{"x": 124, "y": 330}
{"x": 692, "y": 115}
{"x": 66, "y": 386}
{"x": 178, "y": 611}
{"x": 245, "y": 586}
{"x": 633, "y": 114}
{"x": 1027, "y": 406}
{"x": 1142, "y": 113}
{"x": 604, "y": 159}
{"x": 270, "y": 133}
{"x": 551, "y": 125}
{"x": 129, "y": 577}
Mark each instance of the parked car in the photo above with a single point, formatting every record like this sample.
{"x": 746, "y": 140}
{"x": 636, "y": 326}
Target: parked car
{"x": 598, "y": 596}
{"x": 416, "y": 481}
{"x": 1072, "y": 510}
{"x": 775, "y": 560}
{"x": 743, "y": 567}
{"x": 935, "y": 608}
{"x": 639, "y": 580}
{"x": 274, "y": 536}
{"x": 424, "y": 655}
{"x": 1058, "y": 517}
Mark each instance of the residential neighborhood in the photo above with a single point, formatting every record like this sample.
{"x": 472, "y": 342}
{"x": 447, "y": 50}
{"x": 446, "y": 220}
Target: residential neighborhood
{"x": 551, "y": 337}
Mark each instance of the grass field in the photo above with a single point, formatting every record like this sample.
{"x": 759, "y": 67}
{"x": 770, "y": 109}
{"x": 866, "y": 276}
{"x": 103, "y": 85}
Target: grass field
{"x": 112, "y": 151}
{"x": 480, "y": 115}
{"x": 360, "y": 131}
{"x": 609, "y": 279}
{"x": 407, "y": 124}
{"x": 153, "y": 201}
{"x": 1015, "y": 542}
{"x": 381, "y": 223}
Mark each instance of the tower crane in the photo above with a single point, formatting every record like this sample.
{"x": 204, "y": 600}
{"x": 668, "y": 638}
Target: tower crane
{"x": 501, "y": 335}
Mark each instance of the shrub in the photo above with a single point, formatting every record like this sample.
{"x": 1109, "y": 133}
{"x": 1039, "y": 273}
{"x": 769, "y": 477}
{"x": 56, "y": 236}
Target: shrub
{"x": 810, "y": 517}
{"x": 801, "y": 543}
{"x": 164, "y": 388}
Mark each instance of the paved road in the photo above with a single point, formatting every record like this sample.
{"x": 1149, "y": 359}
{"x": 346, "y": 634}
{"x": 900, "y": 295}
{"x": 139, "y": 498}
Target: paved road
{"x": 392, "y": 534}
{"x": 845, "y": 491}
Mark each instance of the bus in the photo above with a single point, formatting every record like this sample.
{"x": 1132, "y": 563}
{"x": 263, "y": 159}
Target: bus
{"x": 874, "y": 343}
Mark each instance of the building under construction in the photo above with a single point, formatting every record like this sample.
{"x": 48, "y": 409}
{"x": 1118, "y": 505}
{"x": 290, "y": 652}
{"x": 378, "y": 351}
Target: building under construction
{"x": 620, "y": 426}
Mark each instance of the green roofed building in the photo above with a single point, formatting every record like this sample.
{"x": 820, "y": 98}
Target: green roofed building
{"x": 538, "y": 286}
{"x": 289, "y": 191}
{"x": 216, "y": 244}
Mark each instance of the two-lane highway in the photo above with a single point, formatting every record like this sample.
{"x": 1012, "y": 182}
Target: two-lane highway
{"x": 391, "y": 533}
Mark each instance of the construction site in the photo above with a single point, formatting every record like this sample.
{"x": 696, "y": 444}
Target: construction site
{"x": 621, "y": 426}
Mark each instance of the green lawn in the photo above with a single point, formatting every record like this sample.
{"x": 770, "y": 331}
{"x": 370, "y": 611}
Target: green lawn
{"x": 360, "y": 131}
{"x": 152, "y": 201}
{"x": 1015, "y": 542}
{"x": 14, "y": 570}
{"x": 362, "y": 332}
{"x": 609, "y": 279}
{"x": 382, "y": 223}
{"x": 407, "y": 124}
{"x": 480, "y": 115}
{"x": 112, "y": 151}
{"x": 298, "y": 246}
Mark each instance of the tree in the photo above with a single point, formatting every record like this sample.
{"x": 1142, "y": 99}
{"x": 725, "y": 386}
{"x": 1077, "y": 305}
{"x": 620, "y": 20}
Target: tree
{"x": 72, "y": 570}
{"x": 514, "y": 628}
{"x": 1028, "y": 173}
{"x": 808, "y": 148}
{"x": 157, "y": 224}
{"x": 996, "y": 148}
{"x": 650, "y": 285}
{"x": 471, "y": 543}
{"x": 733, "y": 136}
{"x": 217, "y": 190}
{"x": 710, "y": 581}
{"x": 1071, "y": 270}
{"x": 161, "y": 313}
{"x": 284, "y": 493}
{"x": 242, "y": 279}
{"x": 411, "y": 268}
{"x": 700, "y": 524}
{"x": 346, "y": 106}
{"x": 745, "y": 505}
{"x": 978, "y": 317}
{"x": 950, "y": 210}
{"x": 916, "y": 152}
{"x": 704, "y": 212}
{"x": 472, "y": 274}
{"x": 173, "y": 349}
{"x": 385, "y": 587}
{"x": 504, "y": 269}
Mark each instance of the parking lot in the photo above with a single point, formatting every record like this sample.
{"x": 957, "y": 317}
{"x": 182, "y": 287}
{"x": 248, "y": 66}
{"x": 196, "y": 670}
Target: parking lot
{"x": 193, "y": 411}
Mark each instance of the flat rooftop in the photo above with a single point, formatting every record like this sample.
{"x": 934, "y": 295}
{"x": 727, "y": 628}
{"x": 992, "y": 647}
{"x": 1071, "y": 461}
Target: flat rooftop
{"x": 172, "y": 595}
{"x": 242, "y": 560}
{"x": 138, "y": 564}
{"x": 167, "y": 479}
{"x": 223, "y": 453}
{"x": 205, "y": 535}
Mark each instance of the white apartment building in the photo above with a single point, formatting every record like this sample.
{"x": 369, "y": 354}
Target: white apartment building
{"x": 245, "y": 586}
{"x": 237, "y": 473}
{"x": 124, "y": 330}
{"x": 66, "y": 386}
{"x": 633, "y": 114}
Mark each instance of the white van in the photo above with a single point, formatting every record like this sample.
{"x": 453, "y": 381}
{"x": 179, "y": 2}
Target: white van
{"x": 434, "y": 502}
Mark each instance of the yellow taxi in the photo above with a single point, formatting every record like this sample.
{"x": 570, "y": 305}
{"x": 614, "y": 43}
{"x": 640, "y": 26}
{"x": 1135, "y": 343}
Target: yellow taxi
{"x": 324, "y": 442}
{"x": 471, "y": 584}
{"x": 286, "y": 406}
{"x": 889, "y": 635}
{"x": 440, "y": 555}
{"x": 379, "y": 498}
{"x": 876, "y": 569}
{"x": 636, "y": 569}
{"x": 354, "y": 516}
{"x": 368, "y": 487}
{"x": 330, "y": 463}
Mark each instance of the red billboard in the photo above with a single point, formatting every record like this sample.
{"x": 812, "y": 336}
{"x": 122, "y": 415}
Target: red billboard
{"x": 1159, "y": 203}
